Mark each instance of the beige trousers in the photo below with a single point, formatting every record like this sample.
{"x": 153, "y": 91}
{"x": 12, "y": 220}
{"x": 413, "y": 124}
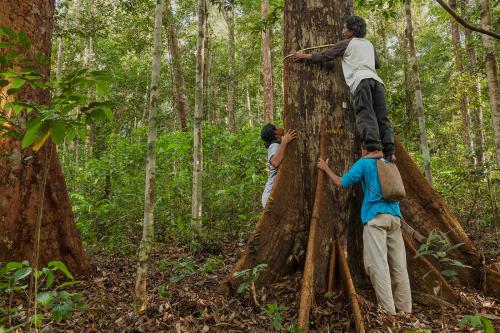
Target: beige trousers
{"x": 385, "y": 262}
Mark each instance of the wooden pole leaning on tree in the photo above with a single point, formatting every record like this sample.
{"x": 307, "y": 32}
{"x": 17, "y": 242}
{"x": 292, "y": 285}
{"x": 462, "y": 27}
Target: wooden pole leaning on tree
{"x": 307, "y": 289}
{"x": 345, "y": 273}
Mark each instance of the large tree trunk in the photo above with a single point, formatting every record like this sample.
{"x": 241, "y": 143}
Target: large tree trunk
{"x": 173, "y": 47}
{"x": 492, "y": 74}
{"x": 20, "y": 182}
{"x": 267, "y": 69}
{"x": 196, "y": 204}
{"x": 228, "y": 14}
{"x": 313, "y": 95}
{"x": 418, "y": 93}
{"x": 305, "y": 213}
{"x": 463, "y": 100}
{"x": 150, "y": 184}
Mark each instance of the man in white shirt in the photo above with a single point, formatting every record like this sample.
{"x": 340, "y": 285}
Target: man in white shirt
{"x": 359, "y": 61}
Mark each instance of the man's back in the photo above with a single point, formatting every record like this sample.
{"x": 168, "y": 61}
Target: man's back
{"x": 358, "y": 62}
{"x": 365, "y": 170}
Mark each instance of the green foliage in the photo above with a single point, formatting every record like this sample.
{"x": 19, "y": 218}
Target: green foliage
{"x": 275, "y": 313}
{"x": 14, "y": 279}
{"x": 438, "y": 246}
{"x": 70, "y": 109}
{"x": 107, "y": 191}
{"x": 249, "y": 276}
{"x": 477, "y": 321}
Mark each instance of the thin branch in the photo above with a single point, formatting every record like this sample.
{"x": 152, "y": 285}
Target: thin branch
{"x": 465, "y": 23}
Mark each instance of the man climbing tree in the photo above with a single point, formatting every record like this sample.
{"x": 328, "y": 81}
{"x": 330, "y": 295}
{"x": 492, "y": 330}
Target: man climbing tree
{"x": 21, "y": 169}
{"x": 359, "y": 61}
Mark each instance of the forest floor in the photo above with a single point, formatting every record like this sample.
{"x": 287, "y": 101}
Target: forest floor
{"x": 193, "y": 301}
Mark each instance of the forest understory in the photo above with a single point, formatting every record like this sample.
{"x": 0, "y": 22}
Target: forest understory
{"x": 198, "y": 300}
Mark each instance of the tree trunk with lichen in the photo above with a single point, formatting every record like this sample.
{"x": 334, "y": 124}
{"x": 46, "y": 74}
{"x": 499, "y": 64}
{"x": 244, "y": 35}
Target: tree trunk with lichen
{"x": 305, "y": 213}
{"x": 21, "y": 169}
{"x": 491, "y": 74}
{"x": 140, "y": 300}
{"x": 460, "y": 83}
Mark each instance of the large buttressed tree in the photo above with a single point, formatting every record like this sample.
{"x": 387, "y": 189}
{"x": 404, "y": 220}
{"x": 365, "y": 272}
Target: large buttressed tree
{"x": 305, "y": 213}
{"x": 21, "y": 169}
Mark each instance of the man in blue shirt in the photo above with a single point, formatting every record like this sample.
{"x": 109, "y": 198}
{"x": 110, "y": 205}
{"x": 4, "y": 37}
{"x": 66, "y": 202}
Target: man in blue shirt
{"x": 384, "y": 253}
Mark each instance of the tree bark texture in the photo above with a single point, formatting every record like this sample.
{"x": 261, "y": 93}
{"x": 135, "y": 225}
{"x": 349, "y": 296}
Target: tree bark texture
{"x": 305, "y": 212}
{"x": 21, "y": 175}
{"x": 491, "y": 74}
{"x": 267, "y": 69}
{"x": 231, "y": 98}
{"x": 418, "y": 93}
{"x": 475, "y": 101}
{"x": 150, "y": 184}
{"x": 463, "y": 100}
{"x": 196, "y": 208}
{"x": 173, "y": 47}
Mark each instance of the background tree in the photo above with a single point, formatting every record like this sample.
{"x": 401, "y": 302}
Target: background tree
{"x": 196, "y": 210}
{"x": 418, "y": 93}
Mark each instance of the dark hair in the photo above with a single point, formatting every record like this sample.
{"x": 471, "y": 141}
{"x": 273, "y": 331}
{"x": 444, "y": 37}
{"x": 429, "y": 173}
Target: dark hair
{"x": 357, "y": 25}
{"x": 267, "y": 134}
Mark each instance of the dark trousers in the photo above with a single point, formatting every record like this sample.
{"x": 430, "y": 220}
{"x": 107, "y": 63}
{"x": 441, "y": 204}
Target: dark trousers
{"x": 371, "y": 117}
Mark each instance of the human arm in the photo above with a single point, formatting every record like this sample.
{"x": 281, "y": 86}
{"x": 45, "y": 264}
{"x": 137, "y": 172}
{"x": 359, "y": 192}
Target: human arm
{"x": 285, "y": 140}
{"x": 323, "y": 165}
{"x": 329, "y": 54}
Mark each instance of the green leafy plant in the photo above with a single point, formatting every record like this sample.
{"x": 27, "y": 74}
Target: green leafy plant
{"x": 14, "y": 279}
{"x": 275, "y": 313}
{"x": 438, "y": 246}
{"x": 70, "y": 108}
{"x": 249, "y": 276}
{"x": 477, "y": 321}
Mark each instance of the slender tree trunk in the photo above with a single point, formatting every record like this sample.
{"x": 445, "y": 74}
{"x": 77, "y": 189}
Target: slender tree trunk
{"x": 492, "y": 74}
{"x": 460, "y": 83}
{"x": 180, "y": 93}
{"x": 267, "y": 67}
{"x": 88, "y": 62}
{"x": 476, "y": 107}
{"x": 231, "y": 98}
{"x": 418, "y": 93}
{"x": 408, "y": 82}
{"x": 249, "y": 106}
{"x": 21, "y": 182}
{"x": 196, "y": 208}
{"x": 60, "y": 43}
{"x": 140, "y": 301}
{"x": 206, "y": 66}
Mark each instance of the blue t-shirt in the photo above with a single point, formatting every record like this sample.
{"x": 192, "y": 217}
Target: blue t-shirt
{"x": 365, "y": 170}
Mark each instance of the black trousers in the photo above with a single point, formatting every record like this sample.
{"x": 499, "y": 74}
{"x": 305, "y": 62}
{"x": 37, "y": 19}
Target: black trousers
{"x": 371, "y": 117}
